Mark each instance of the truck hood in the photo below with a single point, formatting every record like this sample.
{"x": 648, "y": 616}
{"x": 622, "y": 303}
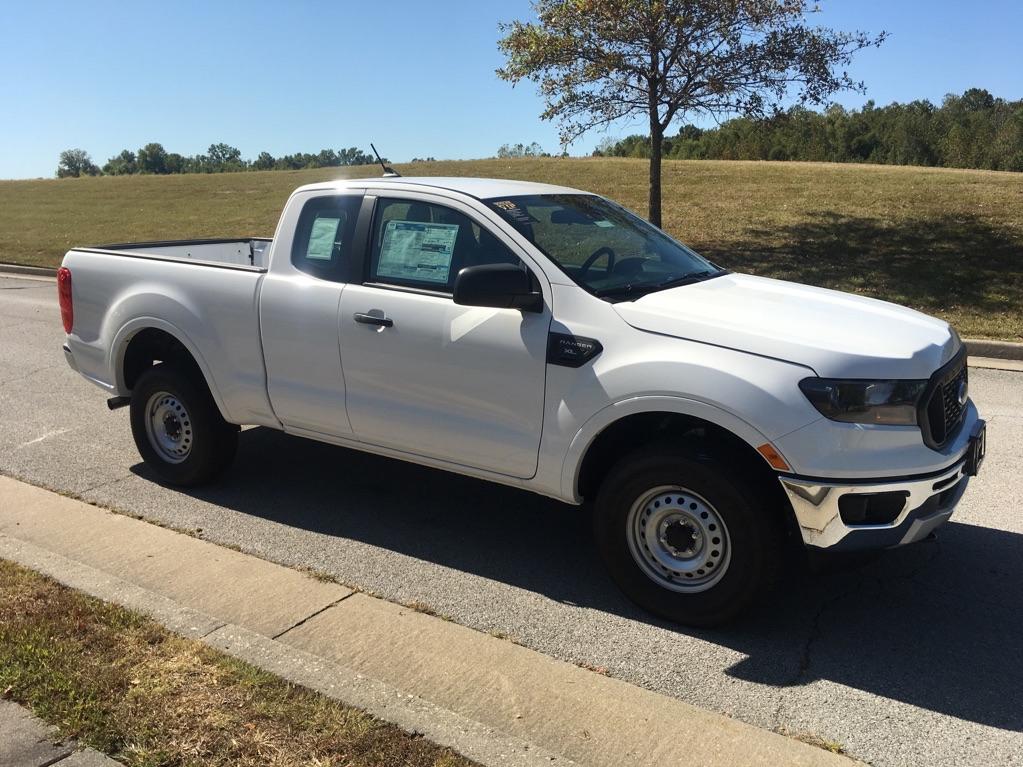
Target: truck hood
{"x": 836, "y": 334}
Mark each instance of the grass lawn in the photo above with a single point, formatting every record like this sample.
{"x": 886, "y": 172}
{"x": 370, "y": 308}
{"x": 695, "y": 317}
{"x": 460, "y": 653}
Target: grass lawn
{"x": 124, "y": 685}
{"x": 947, "y": 242}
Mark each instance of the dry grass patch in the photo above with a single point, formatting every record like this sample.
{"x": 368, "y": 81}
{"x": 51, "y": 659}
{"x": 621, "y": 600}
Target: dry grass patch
{"x": 121, "y": 683}
{"x": 814, "y": 740}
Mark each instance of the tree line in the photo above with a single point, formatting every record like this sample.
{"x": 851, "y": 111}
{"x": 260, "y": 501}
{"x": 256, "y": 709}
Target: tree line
{"x": 219, "y": 158}
{"x": 972, "y": 130}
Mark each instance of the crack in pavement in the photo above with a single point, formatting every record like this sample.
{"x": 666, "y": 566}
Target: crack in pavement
{"x": 313, "y": 615}
{"x": 879, "y": 583}
{"x": 29, "y": 374}
{"x": 814, "y": 634}
{"x": 104, "y": 484}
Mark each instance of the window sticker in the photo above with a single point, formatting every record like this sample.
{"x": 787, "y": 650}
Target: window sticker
{"x": 322, "y": 237}
{"x": 515, "y": 213}
{"x": 412, "y": 250}
{"x": 605, "y": 224}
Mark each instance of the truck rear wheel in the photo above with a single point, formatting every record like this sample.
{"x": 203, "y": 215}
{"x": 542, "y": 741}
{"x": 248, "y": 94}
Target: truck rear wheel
{"x": 177, "y": 427}
{"x": 684, "y": 538}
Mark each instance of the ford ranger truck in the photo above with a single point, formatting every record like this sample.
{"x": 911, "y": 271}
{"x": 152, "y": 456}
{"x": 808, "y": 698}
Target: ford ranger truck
{"x": 546, "y": 338}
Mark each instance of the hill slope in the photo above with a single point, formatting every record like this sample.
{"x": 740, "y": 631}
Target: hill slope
{"x": 947, "y": 242}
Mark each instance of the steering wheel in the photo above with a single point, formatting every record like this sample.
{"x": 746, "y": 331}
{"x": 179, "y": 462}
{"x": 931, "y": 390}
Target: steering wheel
{"x": 603, "y": 250}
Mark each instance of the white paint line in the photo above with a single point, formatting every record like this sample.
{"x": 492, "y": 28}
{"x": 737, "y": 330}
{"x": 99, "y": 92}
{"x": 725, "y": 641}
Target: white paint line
{"x": 48, "y": 434}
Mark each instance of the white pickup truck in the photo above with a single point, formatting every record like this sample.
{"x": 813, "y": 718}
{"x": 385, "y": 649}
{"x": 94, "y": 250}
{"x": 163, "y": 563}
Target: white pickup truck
{"x": 546, "y": 338}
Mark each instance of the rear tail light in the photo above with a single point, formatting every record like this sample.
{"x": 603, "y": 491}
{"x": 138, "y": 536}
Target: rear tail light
{"x": 67, "y": 310}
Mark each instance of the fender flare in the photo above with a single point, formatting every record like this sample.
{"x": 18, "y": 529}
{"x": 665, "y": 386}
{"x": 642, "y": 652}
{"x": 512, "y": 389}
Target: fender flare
{"x": 599, "y": 421}
{"x": 119, "y": 347}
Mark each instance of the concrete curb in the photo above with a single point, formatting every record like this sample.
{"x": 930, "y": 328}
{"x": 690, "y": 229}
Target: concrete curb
{"x": 489, "y": 699}
{"x": 36, "y": 271}
{"x": 468, "y": 737}
{"x": 27, "y": 741}
{"x": 995, "y": 363}
{"x": 1003, "y": 350}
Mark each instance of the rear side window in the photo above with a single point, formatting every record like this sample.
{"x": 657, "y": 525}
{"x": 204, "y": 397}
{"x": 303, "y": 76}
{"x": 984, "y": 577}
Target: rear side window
{"x": 324, "y": 235}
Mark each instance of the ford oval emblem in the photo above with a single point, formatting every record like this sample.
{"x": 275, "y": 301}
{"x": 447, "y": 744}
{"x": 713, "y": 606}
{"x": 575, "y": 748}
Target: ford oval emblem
{"x": 962, "y": 393}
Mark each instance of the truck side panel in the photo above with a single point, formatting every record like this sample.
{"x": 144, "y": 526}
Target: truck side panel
{"x": 211, "y": 311}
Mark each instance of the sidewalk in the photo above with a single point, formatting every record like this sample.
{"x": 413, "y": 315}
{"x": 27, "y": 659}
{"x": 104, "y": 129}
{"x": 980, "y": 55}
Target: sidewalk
{"x": 492, "y": 700}
{"x": 26, "y": 741}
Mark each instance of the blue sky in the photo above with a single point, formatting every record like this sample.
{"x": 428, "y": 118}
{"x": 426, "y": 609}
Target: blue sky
{"x": 416, "y": 78}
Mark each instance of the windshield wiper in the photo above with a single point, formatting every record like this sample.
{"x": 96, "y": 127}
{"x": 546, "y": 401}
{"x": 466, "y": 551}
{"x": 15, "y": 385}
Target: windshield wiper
{"x": 631, "y": 288}
{"x": 624, "y": 290}
{"x": 688, "y": 279}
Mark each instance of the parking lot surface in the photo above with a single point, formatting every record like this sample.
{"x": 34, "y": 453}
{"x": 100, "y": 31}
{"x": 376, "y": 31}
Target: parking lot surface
{"x": 913, "y": 658}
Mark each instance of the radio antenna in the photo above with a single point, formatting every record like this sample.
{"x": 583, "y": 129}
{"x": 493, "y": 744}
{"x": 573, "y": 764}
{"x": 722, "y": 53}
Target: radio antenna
{"x": 389, "y": 172}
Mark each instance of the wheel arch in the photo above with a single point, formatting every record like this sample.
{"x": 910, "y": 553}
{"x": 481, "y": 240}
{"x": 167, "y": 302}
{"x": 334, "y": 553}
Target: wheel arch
{"x": 627, "y": 426}
{"x": 146, "y": 340}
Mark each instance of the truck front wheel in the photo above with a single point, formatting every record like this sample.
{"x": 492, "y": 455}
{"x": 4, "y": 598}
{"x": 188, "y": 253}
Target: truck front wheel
{"x": 177, "y": 427}
{"x": 683, "y": 537}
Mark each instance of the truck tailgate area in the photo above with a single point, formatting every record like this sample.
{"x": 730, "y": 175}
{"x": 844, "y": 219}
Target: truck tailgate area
{"x": 210, "y": 307}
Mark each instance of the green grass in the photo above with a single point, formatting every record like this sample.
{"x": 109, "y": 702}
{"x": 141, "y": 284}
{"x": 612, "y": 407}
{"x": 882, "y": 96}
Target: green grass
{"x": 947, "y": 242}
{"x": 124, "y": 685}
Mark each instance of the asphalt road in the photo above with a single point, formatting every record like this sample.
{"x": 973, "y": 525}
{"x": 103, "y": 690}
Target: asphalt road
{"x": 913, "y": 659}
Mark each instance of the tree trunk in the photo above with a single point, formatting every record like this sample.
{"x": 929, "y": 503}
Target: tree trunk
{"x": 656, "y": 145}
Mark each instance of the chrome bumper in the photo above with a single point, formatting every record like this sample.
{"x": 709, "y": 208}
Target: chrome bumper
{"x": 929, "y": 503}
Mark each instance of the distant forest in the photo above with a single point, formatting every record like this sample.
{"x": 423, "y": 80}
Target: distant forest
{"x": 974, "y": 130}
{"x": 219, "y": 158}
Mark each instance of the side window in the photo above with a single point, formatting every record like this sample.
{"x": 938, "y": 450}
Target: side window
{"x": 323, "y": 237}
{"x": 420, "y": 245}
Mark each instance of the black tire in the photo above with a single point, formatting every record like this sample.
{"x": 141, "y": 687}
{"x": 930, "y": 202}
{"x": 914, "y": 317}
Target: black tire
{"x": 754, "y": 534}
{"x": 212, "y": 440}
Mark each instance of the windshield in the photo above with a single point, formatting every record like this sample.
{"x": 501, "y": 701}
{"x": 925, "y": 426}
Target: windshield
{"x": 600, "y": 245}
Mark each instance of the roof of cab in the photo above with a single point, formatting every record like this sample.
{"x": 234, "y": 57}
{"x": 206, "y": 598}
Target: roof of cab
{"x": 482, "y": 188}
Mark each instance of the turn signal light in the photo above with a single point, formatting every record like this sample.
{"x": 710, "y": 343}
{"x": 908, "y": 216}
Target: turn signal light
{"x": 67, "y": 310}
{"x": 773, "y": 457}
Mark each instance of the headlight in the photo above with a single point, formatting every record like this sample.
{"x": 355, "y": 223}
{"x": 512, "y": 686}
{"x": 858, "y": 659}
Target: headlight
{"x": 888, "y": 402}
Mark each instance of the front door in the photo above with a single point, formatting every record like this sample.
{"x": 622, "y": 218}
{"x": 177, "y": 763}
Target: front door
{"x": 426, "y": 376}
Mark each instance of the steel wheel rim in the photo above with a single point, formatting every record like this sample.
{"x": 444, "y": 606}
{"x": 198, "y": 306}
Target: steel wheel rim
{"x": 678, "y": 539}
{"x": 169, "y": 427}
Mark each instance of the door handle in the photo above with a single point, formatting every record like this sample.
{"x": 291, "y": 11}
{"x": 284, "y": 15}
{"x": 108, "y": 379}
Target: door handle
{"x": 373, "y": 319}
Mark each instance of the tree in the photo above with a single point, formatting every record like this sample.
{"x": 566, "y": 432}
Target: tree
{"x": 122, "y": 165}
{"x": 152, "y": 158}
{"x": 265, "y": 161}
{"x": 223, "y": 158}
{"x": 355, "y": 156}
{"x": 599, "y": 61}
{"x": 508, "y": 151}
{"x": 74, "y": 163}
{"x": 175, "y": 163}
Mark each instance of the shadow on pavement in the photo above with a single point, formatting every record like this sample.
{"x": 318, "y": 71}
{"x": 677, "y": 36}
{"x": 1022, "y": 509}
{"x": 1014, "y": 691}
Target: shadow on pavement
{"x": 938, "y": 625}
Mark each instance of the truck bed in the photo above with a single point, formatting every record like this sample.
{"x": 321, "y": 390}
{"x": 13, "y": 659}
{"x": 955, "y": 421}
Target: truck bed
{"x": 248, "y": 252}
{"x": 204, "y": 292}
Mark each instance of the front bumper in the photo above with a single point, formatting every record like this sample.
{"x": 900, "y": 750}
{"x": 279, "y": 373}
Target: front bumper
{"x": 929, "y": 502}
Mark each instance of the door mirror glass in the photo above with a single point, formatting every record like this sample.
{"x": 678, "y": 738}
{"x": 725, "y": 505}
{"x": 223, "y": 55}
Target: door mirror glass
{"x": 502, "y": 286}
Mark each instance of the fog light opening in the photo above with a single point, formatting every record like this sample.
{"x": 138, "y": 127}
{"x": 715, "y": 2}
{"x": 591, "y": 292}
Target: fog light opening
{"x": 872, "y": 508}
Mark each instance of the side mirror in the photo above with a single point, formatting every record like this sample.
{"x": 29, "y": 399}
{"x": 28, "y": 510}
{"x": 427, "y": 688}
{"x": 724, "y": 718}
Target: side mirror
{"x": 502, "y": 286}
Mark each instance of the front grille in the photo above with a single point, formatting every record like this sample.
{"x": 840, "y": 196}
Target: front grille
{"x": 942, "y": 412}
